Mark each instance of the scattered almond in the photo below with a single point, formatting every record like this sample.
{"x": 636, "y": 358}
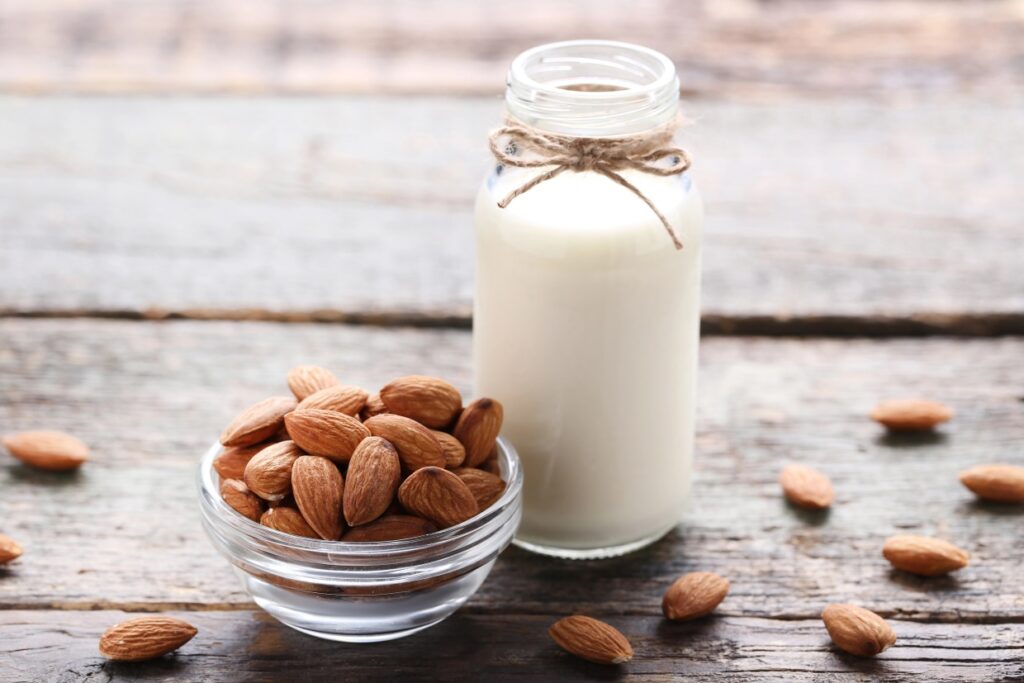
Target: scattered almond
{"x": 318, "y": 487}
{"x": 269, "y": 473}
{"x": 328, "y": 433}
{"x": 289, "y": 521}
{"x": 438, "y": 495}
{"x": 806, "y": 487}
{"x": 453, "y": 450}
{"x": 47, "y": 450}
{"x": 305, "y": 380}
{"x": 694, "y": 595}
{"x": 373, "y": 477}
{"x": 999, "y": 483}
{"x": 485, "y": 487}
{"x": 390, "y": 528}
{"x": 856, "y": 630}
{"x": 910, "y": 415}
{"x": 923, "y": 555}
{"x": 258, "y": 422}
{"x": 430, "y": 401}
{"x": 231, "y": 462}
{"x": 236, "y": 494}
{"x": 415, "y": 444}
{"x": 340, "y": 398}
{"x": 145, "y": 638}
{"x": 9, "y": 549}
{"x": 592, "y": 640}
{"x": 478, "y": 428}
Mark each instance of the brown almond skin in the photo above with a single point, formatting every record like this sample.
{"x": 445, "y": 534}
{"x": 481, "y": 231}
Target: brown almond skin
{"x": 857, "y": 631}
{"x": 415, "y": 444}
{"x": 231, "y": 462}
{"x": 477, "y": 429}
{"x": 390, "y": 528}
{"x": 143, "y": 638}
{"x": 47, "y": 450}
{"x": 430, "y": 401}
{"x": 289, "y": 521}
{"x": 923, "y": 555}
{"x": 373, "y": 477}
{"x": 485, "y": 487}
{"x": 453, "y": 450}
{"x": 694, "y": 595}
{"x": 374, "y": 406}
{"x": 269, "y": 473}
{"x": 999, "y": 482}
{"x": 318, "y": 487}
{"x": 246, "y": 503}
{"x": 436, "y": 494}
{"x": 9, "y": 549}
{"x": 910, "y": 415}
{"x": 258, "y": 422}
{"x": 340, "y": 398}
{"x": 305, "y": 380}
{"x": 806, "y": 487}
{"x": 327, "y": 433}
{"x": 592, "y": 640}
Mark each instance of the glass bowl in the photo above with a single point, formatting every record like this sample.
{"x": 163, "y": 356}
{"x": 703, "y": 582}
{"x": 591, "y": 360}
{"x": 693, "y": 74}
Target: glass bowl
{"x": 362, "y": 592}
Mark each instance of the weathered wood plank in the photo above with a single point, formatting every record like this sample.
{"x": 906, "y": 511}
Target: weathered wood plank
{"x": 459, "y": 46}
{"x": 822, "y": 215}
{"x": 150, "y": 397}
{"x": 252, "y": 647}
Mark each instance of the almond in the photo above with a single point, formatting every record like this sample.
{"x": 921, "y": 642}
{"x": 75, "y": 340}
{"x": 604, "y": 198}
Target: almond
{"x": 453, "y": 450}
{"x": 328, "y": 433}
{"x": 694, "y": 595}
{"x": 9, "y": 549}
{"x": 230, "y": 464}
{"x": 491, "y": 464}
{"x": 478, "y": 428}
{"x": 806, "y": 487}
{"x": 430, "y": 401}
{"x": 999, "y": 482}
{"x": 856, "y": 630}
{"x": 592, "y": 640}
{"x": 373, "y": 477}
{"x": 289, "y": 521}
{"x": 485, "y": 487}
{"x": 258, "y": 422}
{"x": 340, "y": 398}
{"x": 269, "y": 473}
{"x": 305, "y": 380}
{"x": 923, "y": 555}
{"x": 246, "y": 503}
{"x": 910, "y": 415}
{"x": 390, "y": 528}
{"x": 47, "y": 450}
{"x": 145, "y": 638}
{"x": 415, "y": 444}
{"x": 318, "y": 486}
{"x": 438, "y": 495}
{"x": 374, "y": 406}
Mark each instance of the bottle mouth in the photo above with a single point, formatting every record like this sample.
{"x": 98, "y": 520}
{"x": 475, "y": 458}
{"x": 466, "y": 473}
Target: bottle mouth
{"x": 592, "y": 88}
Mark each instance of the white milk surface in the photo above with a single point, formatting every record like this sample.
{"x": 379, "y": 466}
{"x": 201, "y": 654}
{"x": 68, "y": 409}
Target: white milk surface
{"x": 586, "y": 327}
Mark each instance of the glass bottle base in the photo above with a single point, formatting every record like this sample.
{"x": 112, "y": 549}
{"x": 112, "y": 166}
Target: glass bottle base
{"x": 591, "y": 553}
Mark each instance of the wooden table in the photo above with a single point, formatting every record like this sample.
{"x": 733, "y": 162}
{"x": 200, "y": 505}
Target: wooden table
{"x": 165, "y": 260}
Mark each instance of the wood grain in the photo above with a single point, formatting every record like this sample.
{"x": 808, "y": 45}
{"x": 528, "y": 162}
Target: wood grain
{"x": 459, "y": 46}
{"x": 823, "y": 217}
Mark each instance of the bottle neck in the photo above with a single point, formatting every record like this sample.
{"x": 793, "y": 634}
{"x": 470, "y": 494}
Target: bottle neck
{"x": 592, "y": 88}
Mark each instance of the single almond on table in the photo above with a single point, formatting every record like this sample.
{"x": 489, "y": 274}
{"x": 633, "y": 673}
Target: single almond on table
{"x": 289, "y": 521}
{"x": 47, "y": 450}
{"x": 430, "y": 401}
{"x": 415, "y": 444}
{"x": 806, "y": 487}
{"x": 328, "y": 433}
{"x": 236, "y": 494}
{"x": 453, "y": 450}
{"x": 9, "y": 549}
{"x": 694, "y": 595}
{"x": 856, "y": 630}
{"x": 143, "y": 638}
{"x": 592, "y": 640}
{"x": 305, "y": 380}
{"x": 438, "y": 495}
{"x": 998, "y": 482}
{"x": 374, "y": 406}
{"x": 478, "y": 428}
{"x": 230, "y": 464}
{"x": 340, "y": 398}
{"x": 269, "y": 473}
{"x": 485, "y": 487}
{"x": 924, "y": 555}
{"x": 258, "y": 422}
{"x": 910, "y": 415}
{"x": 373, "y": 477}
{"x": 318, "y": 487}
{"x": 390, "y": 528}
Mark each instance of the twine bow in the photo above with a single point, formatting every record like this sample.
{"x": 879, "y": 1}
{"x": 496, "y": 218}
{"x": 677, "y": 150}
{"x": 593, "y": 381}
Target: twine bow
{"x": 606, "y": 156}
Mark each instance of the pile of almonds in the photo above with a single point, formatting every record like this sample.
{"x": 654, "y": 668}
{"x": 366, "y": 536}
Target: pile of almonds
{"x": 336, "y": 463}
